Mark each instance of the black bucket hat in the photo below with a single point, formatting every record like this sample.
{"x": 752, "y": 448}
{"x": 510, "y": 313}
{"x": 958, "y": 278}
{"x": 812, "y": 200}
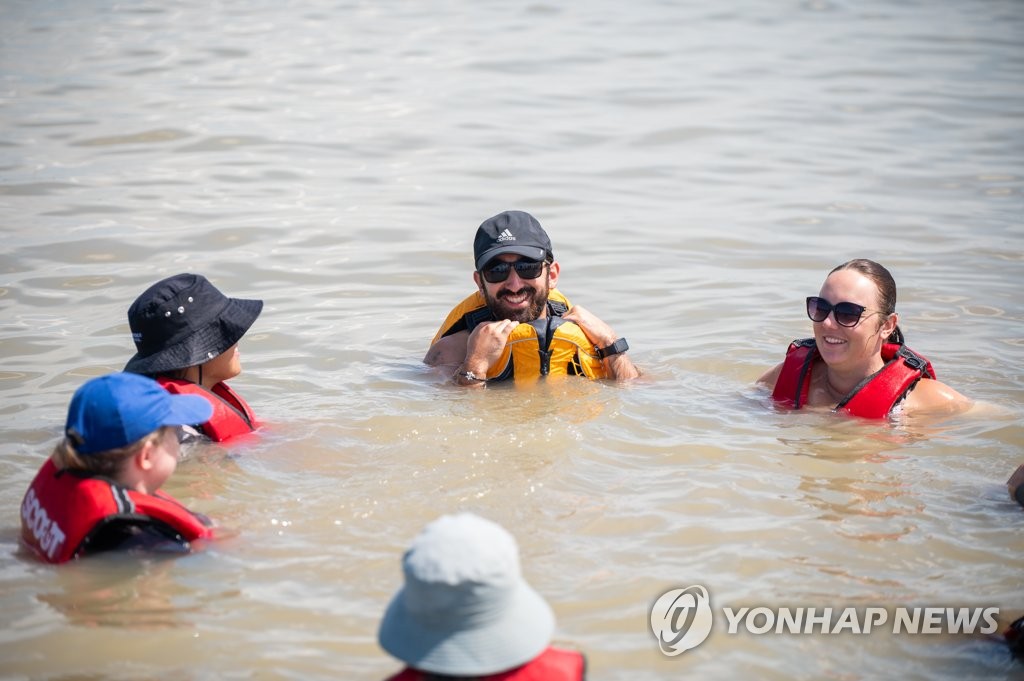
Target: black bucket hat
{"x": 183, "y": 321}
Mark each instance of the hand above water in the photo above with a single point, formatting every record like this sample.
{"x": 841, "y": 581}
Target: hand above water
{"x": 485, "y": 345}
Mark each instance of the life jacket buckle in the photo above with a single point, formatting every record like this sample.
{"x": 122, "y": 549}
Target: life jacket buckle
{"x": 914, "y": 363}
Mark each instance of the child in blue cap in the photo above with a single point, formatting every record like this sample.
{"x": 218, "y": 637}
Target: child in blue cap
{"x": 98, "y": 491}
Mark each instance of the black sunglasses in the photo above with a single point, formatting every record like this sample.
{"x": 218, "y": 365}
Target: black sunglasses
{"x": 496, "y": 272}
{"x": 846, "y": 314}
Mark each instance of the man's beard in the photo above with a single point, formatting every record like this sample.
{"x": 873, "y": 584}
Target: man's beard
{"x": 538, "y": 300}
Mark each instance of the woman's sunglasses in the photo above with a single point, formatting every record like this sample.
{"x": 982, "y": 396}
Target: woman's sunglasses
{"x": 846, "y": 314}
{"x": 494, "y": 273}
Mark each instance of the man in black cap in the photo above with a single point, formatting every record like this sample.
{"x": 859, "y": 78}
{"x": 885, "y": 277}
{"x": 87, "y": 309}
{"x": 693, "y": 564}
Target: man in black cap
{"x": 518, "y": 325}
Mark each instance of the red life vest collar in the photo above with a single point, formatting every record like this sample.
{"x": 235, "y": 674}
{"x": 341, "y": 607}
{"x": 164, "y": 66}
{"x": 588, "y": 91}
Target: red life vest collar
{"x": 874, "y": 397}
{"x": 554, "y": 664}
{"x": 231, "y": 415}
{"x": 63, "y": 509}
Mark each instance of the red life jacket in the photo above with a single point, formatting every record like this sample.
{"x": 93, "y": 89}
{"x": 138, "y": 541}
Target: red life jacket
{"x": 62, "y": 510}
{"x": 231, "y": 415}
{"x": 873, "y": 398}
{"x": 554, "y": 664}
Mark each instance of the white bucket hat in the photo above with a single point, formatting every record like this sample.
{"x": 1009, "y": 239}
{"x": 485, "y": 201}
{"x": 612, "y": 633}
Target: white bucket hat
{"x": 465, "y": 609}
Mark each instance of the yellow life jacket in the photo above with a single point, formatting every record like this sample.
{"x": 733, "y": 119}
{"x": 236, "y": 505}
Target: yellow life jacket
{"x": 568, "y": 351}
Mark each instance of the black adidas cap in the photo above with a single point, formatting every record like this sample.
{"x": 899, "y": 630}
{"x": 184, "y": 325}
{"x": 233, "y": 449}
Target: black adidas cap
{"x": 511, "y": 232}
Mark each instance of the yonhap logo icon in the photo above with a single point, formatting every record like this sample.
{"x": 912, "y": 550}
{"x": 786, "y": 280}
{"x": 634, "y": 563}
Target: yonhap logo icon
{"x": 681, "y": 619}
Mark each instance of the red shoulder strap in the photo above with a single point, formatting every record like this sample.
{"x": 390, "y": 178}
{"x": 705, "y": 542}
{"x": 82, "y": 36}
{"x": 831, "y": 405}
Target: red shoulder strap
{"x": 165, "y": 508}
{"x": 234, "y": 399}
{"x": 231, "y": 415}
{"x": 880, "y": 392}
{"x": 794, "y": 379}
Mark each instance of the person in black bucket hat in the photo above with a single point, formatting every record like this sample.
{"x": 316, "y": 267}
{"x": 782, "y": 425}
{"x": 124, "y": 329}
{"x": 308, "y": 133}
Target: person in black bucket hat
{"x": 186, "y": 332}
{"x": 517, "y": 325}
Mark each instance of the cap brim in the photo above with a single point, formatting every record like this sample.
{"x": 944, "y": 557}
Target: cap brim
{"x": 519, "y": 634}
{"x": 231, "y": 324}
{"x": 532, "y": 252}
{"x": 188, "y": 410}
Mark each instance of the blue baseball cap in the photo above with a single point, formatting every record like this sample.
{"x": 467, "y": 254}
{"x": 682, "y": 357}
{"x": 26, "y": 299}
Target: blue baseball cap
{"x": 116, "y": 410}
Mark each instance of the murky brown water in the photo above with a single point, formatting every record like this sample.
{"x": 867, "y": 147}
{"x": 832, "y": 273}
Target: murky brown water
{"x": 699, "y": 168}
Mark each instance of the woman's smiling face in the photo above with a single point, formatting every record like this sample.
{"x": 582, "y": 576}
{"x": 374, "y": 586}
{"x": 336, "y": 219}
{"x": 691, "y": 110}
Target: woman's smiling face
{"x": 852, "y": 347}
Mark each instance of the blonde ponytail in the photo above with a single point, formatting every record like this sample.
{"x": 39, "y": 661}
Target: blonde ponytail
{"x": 107, "y": 463}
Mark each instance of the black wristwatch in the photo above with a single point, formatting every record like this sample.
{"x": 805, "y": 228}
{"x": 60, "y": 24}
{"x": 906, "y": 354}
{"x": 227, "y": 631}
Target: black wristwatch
{"x": 615, "y": 348}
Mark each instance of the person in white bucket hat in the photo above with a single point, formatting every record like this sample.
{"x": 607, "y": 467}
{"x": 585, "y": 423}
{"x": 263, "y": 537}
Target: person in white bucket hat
{"x": 465, "y": 611}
